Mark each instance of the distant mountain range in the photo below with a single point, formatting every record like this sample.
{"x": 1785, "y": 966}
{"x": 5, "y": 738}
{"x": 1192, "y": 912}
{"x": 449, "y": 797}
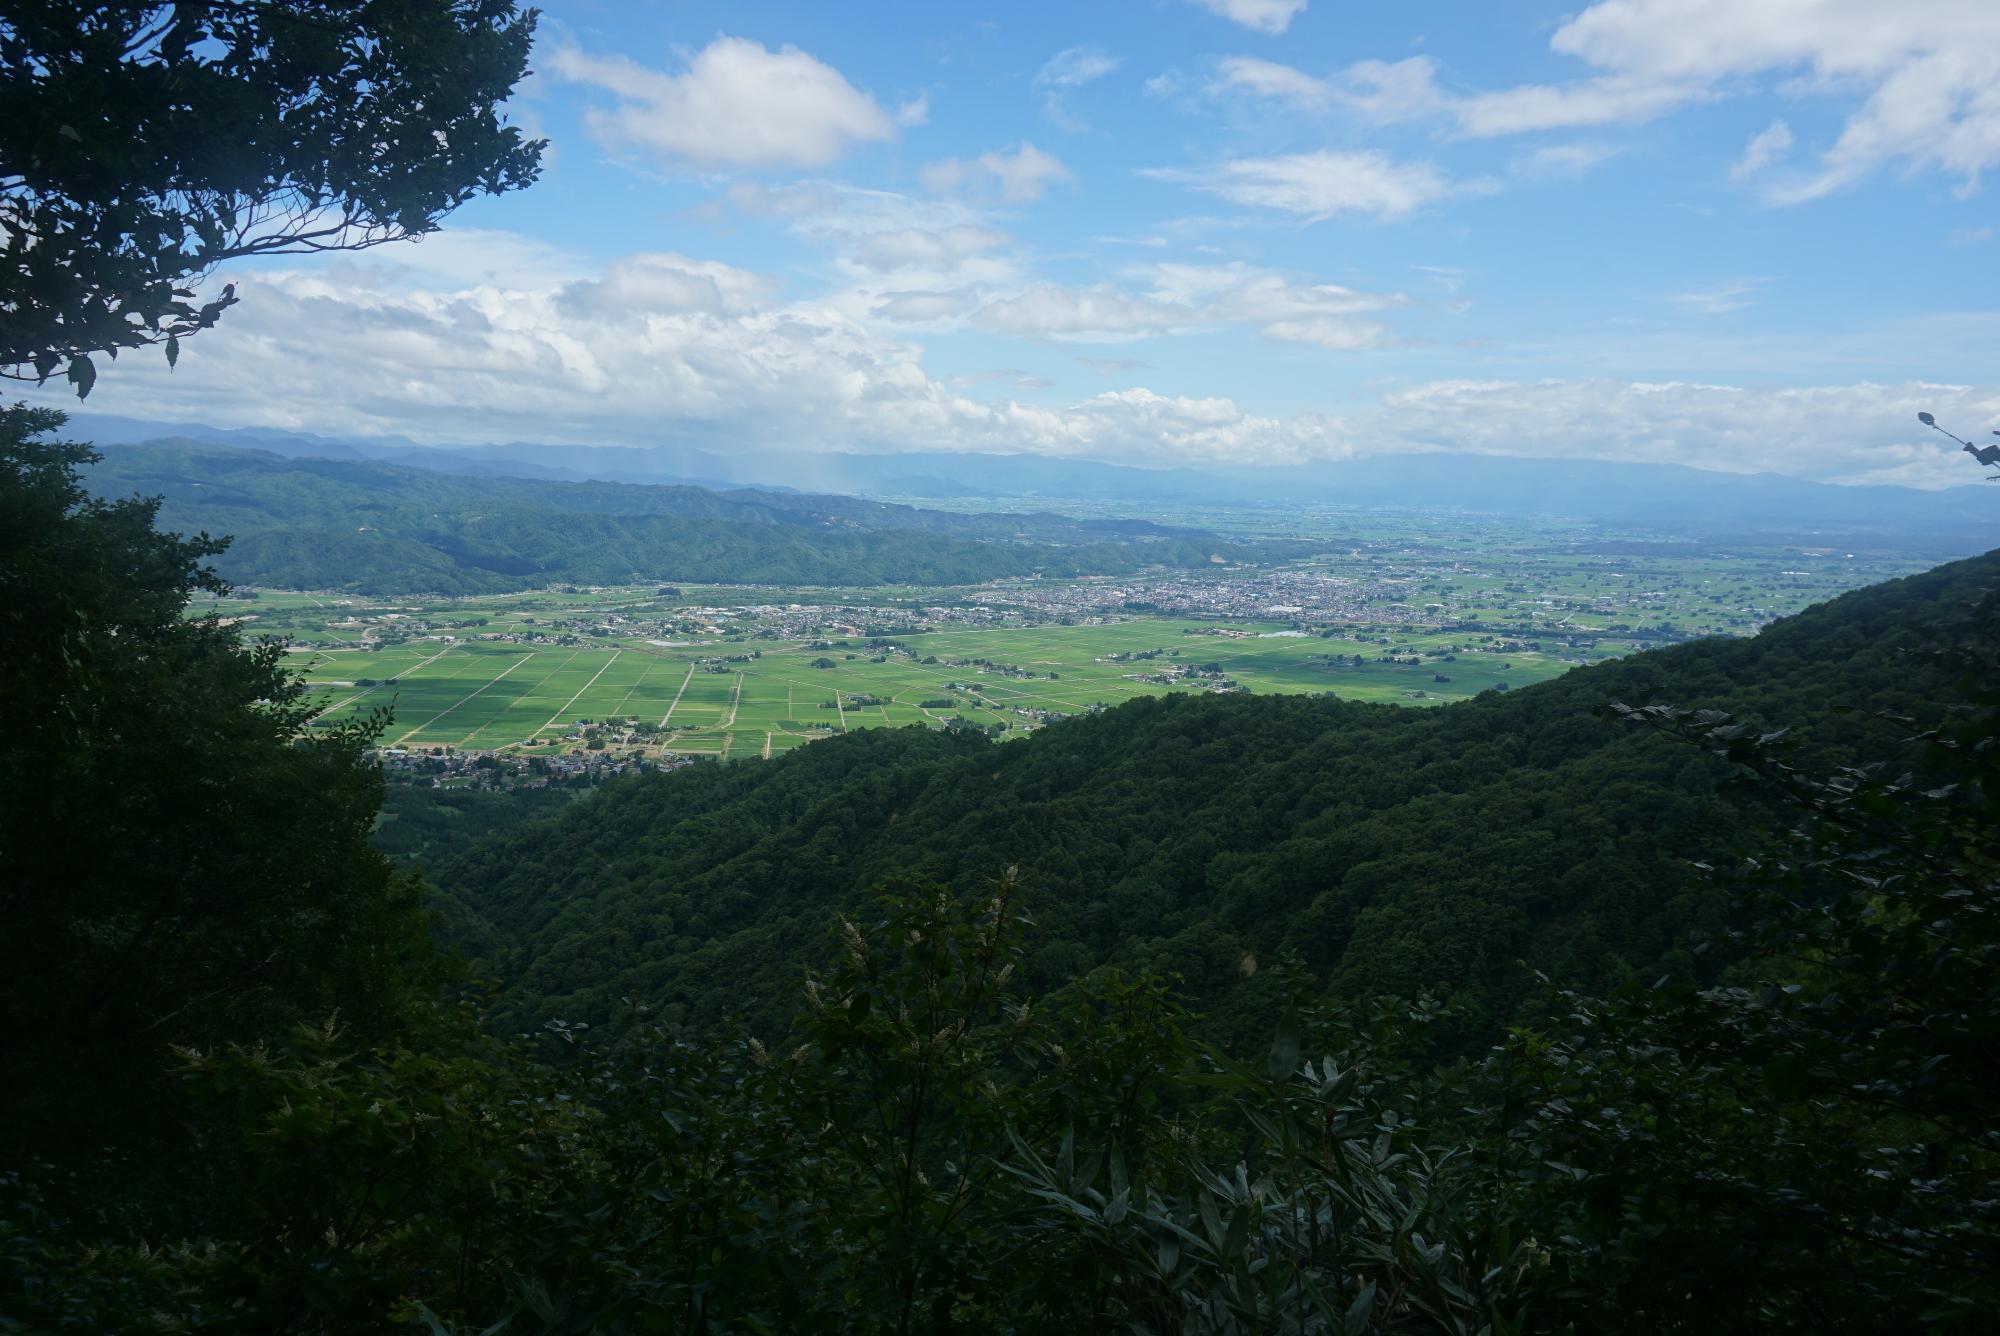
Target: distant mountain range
{"x": 1664, "y": 497}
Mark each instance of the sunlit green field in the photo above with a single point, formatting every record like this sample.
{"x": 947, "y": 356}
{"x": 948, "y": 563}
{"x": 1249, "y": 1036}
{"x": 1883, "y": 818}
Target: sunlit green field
{"x": 726, "y": 670}
{"x": 481, "y": 695}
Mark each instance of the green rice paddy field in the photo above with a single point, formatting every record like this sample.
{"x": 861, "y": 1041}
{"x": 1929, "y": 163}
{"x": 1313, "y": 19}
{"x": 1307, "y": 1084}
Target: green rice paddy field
{"x": 479, "y": 694}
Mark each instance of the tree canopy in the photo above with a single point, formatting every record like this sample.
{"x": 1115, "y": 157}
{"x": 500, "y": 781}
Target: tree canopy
{"x": 176, "y": 862}
{"x": 143, "y": 145}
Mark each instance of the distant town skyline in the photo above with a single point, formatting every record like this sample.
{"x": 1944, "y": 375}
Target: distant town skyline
{"x": 1749, "y": 235}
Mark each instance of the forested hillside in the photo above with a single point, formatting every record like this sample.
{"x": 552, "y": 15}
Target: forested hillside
{"x": 1661, "y": 997}
{"x": 253, "y": 1098}
{"x": 1387, "y": 850}
{"x": 382, "y": 528}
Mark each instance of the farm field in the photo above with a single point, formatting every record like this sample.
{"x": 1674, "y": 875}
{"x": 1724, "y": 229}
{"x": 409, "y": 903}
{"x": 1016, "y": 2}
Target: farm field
{"x": 1414, "y": 613}
{"x": 739, "y": 698}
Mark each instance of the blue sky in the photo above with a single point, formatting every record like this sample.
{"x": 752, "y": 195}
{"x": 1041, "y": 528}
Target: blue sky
{"x": 1739, "y": 234}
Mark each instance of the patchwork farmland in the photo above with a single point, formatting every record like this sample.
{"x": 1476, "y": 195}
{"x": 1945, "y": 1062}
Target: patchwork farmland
{"x": 739, "y": 698}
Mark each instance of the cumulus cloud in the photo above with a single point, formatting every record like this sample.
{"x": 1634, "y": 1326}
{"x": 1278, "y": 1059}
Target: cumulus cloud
{"x": 1017, "y": 176}
{"x": 736, "y": 104}
{"x": 924, "y": 307}
{"x": 664, "y": 345}
{"x": 464, "y": 256}
{"x": 1838, "y": 433}
{"x": 1100, "y": 313}
{"x": 1270, "y": 17}
{"x": 884, "y": 241}
{"x": 666, "y": 284}
{"x": 1320, "y": 185}
{"x": 1925, "y": 70}
{"x": 656, "y": 345}
{"x": 1926, "y": 66}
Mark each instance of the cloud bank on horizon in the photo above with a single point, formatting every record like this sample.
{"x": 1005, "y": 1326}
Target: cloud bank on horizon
{"x": 1746, "y": 235}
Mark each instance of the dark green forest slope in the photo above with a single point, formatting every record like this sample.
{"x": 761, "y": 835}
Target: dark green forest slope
{"x": 1389, "y": 850}
{"x": 381, "y": 528}
{"x": 244, "y": 1095}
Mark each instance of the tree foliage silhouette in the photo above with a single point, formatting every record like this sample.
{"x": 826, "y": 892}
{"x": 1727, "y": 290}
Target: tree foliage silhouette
{"x": 143, "y": 145}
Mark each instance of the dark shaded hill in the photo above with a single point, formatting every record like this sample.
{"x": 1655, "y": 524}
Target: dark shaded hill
{"x": 382, "y": 528}
{"x": 1390, "y": 849}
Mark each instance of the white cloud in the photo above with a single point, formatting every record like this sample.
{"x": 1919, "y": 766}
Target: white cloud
{"x": 1561, "y": 161}
{"x": 1929, "y": 71}
{"x": 1606, "y": 101}
{"x": 1018, "y": 176}
{"x": 1720, "y": 299}
{"x": 1075, "y": 67}
{"x": 1071, "y": 69}
{"x": 1271, "y": 17}
{"x": 737, "y": 104}
{"x": 883, "y": 240}
{"x": 667, "y": 346}
{"x": 1179, "y": 298}
{"x": 920, "y": 248}
{"x": 923, "y": 307}
{"x": 895, "y": 257}
{"x": 1321, "y": 185}
{"x": 1926, "y": 66}
{"x": 1097, "y": 314}
{"x": 1267, "y": 78}
{"x": 465, "y": 256}
{"x": 1380, "y": 91}
{"x": 1831, "y": 433}
{"x": 666, "y": 284}
{"x": 1138, "y": 425}
{"x": 1386, "y": 92}
{"x": 1765, "y": 147}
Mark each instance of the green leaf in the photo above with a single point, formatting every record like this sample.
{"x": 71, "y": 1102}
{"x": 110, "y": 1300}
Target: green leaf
{"x": 83, "y": 375}
{"x": 1286, "y": 1046}
{"x": 1360, "y": 1310}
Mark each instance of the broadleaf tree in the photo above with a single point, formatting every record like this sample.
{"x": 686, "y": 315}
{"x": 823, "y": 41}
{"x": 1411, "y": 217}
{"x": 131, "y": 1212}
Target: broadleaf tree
{"x": 144, "y": 145}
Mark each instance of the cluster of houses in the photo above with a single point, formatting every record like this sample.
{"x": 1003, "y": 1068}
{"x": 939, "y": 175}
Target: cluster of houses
{"x": 449, "y": 767}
